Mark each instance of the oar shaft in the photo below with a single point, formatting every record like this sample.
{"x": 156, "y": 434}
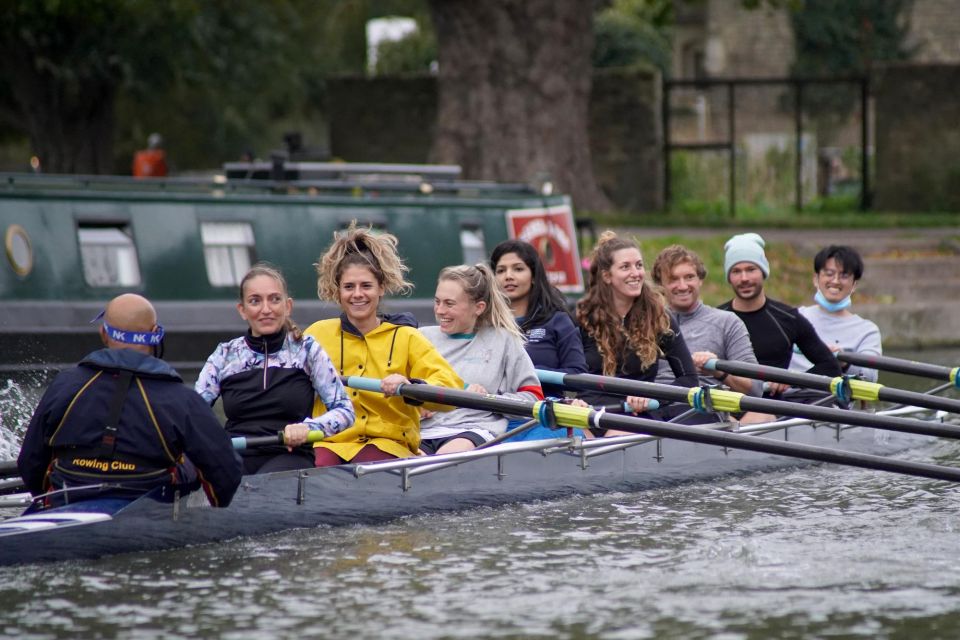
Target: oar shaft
{"x": 569, "y": 416}
{"x": 900, "y": 365}
{"x": 590, "y": 382}
{"x": 772, "y": 374}
{"x": 791, "y": 449}
{"x": 8, "y": 468}
{"x": 444, "y": 395}
{"x": 824, "y": 383}
{"x": 11, "y": 486}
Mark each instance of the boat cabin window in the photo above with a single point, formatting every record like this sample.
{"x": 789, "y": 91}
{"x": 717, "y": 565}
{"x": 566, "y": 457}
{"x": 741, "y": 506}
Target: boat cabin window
{"x": 227, "y": 251}
{"x": 109, "y": 255}
{"x": 473, "y": 245}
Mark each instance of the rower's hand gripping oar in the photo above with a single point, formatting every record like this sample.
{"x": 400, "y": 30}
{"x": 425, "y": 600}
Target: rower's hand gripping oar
{"x": 706, "y": 399}
{"x": 900, "y": 365}
{"x": 845, "y": 388}
{"x": 571, "y": 416}
{"x": 249, "y": 442}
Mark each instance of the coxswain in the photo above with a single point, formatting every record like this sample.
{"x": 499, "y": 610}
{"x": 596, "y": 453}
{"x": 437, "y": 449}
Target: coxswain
{"x": 122, "y": 423}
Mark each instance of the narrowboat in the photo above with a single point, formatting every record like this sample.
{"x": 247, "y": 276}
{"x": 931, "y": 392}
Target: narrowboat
{"x": 74, "y": 242}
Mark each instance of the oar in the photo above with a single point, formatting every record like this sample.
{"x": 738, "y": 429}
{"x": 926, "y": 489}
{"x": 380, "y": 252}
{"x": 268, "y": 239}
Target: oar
{"x": 620, "y": 407}
{"x": 899, "y": 365}
{"x": 8, "y": 468}
{"x": 571, "y": 416}
{"x": 844, "y": 388}
{"x": 731, "y": 401}
{"x": 11, "y": 486}
{"x": 249, "y": 442}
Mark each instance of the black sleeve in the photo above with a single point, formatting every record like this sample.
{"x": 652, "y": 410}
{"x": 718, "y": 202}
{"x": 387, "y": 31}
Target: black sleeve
{"x": 677, "y": 355}
{"x": 824, "y": 362}
{"x": 35, "y": 455}
{"x": 210, "y": 449}
{"x": 594, "y": 360}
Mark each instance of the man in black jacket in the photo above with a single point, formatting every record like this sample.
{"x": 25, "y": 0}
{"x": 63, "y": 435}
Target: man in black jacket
{"x": 122, "y": 423}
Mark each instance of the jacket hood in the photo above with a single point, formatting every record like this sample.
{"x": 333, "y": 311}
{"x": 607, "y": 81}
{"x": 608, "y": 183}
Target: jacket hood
{"x": 404, "y": 319}
{"x": 130, "y": 360}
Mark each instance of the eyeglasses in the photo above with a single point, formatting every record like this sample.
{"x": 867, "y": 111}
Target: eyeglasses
{"x": 830, "y": 274}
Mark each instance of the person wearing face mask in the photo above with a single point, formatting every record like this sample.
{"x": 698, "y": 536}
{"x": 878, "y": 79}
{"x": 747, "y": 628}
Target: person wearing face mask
{"x": 836, "y": 271}
{"x": 269, "y": 377}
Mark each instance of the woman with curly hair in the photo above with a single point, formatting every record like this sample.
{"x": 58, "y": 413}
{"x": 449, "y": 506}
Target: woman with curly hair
{"x": 625, "y": 325}
{"x": 356, "y": 271}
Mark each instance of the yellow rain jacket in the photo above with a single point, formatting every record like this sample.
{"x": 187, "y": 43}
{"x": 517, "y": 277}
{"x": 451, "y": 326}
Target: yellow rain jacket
{"x": 390, "y": 424}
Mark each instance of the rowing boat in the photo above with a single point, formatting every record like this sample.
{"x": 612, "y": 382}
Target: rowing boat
{"x": 376, "y": 492}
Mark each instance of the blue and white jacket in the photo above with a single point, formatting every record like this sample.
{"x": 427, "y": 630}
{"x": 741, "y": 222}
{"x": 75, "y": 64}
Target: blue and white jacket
{"x": 269, "y": 382}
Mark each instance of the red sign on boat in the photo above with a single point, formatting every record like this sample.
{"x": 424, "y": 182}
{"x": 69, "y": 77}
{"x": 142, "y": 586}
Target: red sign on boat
{"x": 551, "y": 231}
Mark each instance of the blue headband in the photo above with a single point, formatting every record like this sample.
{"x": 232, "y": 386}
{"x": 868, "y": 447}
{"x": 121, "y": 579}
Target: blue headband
{"x": 146, "y": 338}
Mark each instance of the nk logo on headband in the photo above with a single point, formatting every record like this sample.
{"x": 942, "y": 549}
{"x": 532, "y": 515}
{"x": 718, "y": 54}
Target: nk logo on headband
{"x": 147, "y": 338}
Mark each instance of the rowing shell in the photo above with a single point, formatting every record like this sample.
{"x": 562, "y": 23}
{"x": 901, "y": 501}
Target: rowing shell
{"x": 377, "y": 492}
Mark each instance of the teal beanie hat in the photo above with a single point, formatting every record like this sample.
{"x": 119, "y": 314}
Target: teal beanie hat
{"x": 745, "y": 247}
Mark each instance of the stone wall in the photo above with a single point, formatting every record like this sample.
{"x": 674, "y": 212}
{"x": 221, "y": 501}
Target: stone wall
{"x": 392, "y": 120}
{"x": 917, "y": 138}
{"x": 935, "y": 31}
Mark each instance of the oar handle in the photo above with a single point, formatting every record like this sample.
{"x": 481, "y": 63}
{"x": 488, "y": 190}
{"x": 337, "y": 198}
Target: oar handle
{"x": 250, "y": 442}
{"x": 364, "y": 384}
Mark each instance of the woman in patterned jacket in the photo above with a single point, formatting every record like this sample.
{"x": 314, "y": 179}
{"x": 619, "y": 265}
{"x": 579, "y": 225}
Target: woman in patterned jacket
{"x": 268, "y": 378}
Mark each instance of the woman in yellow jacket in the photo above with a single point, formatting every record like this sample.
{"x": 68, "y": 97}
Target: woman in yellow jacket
{"x": 356, "y": 271}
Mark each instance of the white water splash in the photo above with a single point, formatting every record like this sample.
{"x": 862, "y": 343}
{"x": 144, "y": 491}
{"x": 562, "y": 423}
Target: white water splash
{"x": 16, "y": 407}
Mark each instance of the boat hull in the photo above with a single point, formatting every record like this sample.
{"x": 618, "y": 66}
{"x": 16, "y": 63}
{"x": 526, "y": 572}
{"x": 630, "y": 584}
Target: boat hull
{"x": 361, "y": 494}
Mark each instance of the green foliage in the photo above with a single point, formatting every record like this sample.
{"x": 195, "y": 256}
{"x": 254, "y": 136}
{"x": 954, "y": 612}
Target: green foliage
{"x": 631, "y": 32}
{"x": 254, "y": 71}
{"x": 413, "y": 54}
{"x": 846, "y": 38}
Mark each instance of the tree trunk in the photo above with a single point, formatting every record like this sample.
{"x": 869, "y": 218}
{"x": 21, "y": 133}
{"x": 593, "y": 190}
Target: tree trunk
{"x": 514, "y": 88}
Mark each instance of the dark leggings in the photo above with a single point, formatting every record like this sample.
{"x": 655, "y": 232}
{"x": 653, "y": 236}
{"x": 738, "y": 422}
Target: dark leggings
{"x": 323, "y": 457}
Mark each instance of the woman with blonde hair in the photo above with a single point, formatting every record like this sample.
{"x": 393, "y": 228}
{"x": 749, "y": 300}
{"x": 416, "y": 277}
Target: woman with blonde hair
{"x": 625, "y": 324}
{"x": 357, "y": 270}
{"x": 477, "y": 334}
{"x": 268, "y": 378}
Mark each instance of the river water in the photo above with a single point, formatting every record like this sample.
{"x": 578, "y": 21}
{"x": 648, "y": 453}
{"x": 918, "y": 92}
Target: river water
{"x": 811, "y": 552}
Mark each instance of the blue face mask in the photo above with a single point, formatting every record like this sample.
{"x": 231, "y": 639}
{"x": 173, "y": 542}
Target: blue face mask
{"x": 831, "y": 306}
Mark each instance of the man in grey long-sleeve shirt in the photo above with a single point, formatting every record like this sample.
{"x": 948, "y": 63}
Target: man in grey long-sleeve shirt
{"x": 708, "y": 332}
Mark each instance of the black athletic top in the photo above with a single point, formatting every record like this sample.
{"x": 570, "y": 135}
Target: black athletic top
{"x": 775, "y": 327}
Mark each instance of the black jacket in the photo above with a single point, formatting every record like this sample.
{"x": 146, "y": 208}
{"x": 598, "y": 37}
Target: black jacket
{"x": 161, "y": 420}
